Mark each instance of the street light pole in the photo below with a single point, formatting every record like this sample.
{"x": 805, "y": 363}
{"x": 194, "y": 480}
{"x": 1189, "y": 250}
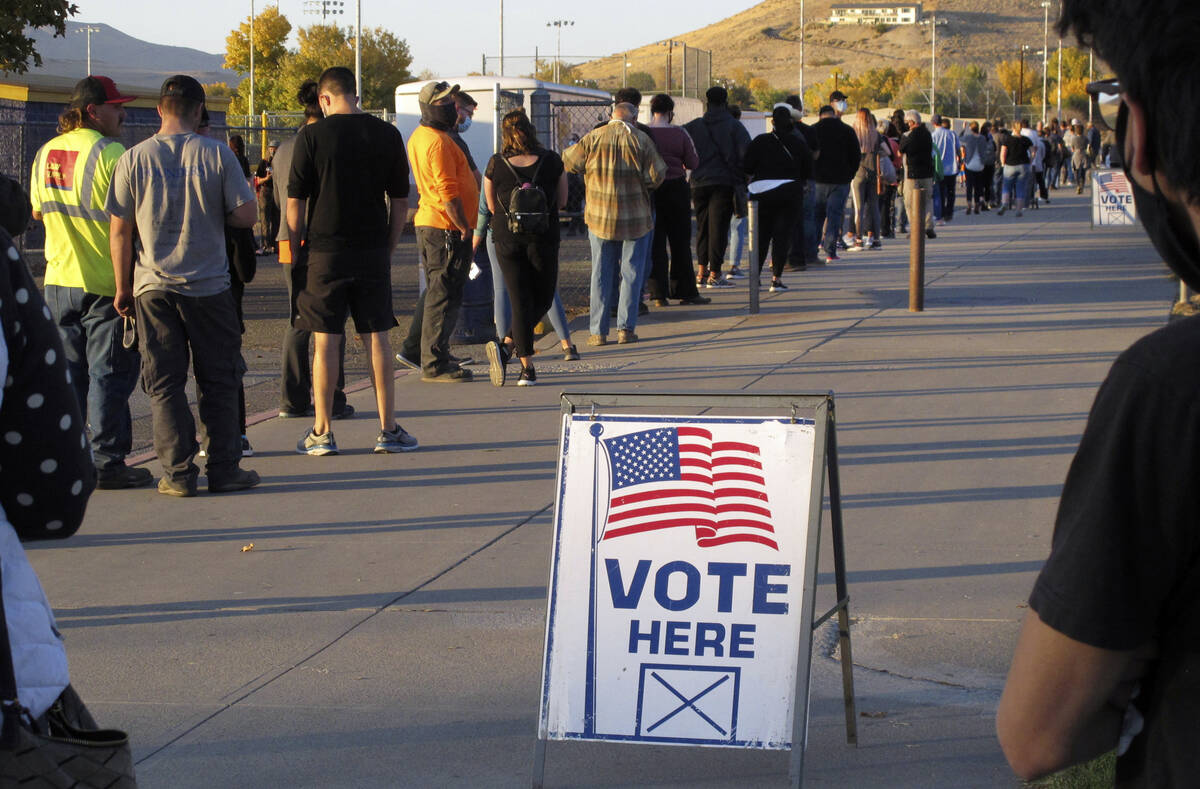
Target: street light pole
{"x": 558, "y": 24}
{"x": 358, "y": 50}
{"x": 251, "y": 118}
{"x": 501, "y": 38}
{"x": 87, "y": 30}
{"x": 933, "y": 23}
{"x": 802, "y": 52}
{"x": 1045, "y": 51}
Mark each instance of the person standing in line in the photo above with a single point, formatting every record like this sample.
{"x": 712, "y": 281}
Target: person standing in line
{"x": 526, "y": 246}
{"x": 68, "y": 187}
{"x": 1015, "y": 158}
{"x": 865, "y": 185}
{"x": 620, "y": 166}
{"x": 449, "y": 199}
{"x": 799, "y": 257}
{"x": 720, "y": 145}
{"x": 170, "y": 199}
{"x": 781, "y": 156}
{"x": 833, "y": 171}
{"x": 296, "y": 375}
{"x": 987, "y": 177}
{"x": 946, "y": 141}
{"x": 673, "y": 215}
{"x": 1035, "y": 184}
{"x": 738, "y": 223}
{"x": 917, "y": 148}
{"x": 890, "y": 142}
{"x": 264, "y": 184}
{"x": 973, "y": 148}
{"x": 350, "y": 166}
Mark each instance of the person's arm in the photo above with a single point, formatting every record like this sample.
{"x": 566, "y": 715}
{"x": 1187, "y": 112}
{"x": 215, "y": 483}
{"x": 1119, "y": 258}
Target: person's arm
{"x": 296, "y": 217}
{"x": 245, "y": 215}
{"x": 1003, "y": 154}
{"x": 120, "y": 246}
{"x": 1064, "y": 700}
{"x": 489, "y": 194}
{"x": 691, "y": 159}
{"x": 397, "y": 217}
{"x": 563, "y": 190}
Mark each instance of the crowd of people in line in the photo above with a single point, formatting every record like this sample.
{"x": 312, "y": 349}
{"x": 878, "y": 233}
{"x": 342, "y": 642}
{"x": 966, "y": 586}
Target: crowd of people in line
{"x": 149, "y": 249}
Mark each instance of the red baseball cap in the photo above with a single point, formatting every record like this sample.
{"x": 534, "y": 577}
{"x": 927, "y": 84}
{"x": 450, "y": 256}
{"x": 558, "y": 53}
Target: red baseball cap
{"x": 97, "y": 90}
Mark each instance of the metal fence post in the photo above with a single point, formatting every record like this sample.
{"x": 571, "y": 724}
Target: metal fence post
{"x": 752, "y": 222}
{"x": 916, "y": 252}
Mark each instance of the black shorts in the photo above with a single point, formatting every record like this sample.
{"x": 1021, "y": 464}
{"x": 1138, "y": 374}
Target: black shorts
{"x": 354, "y": 282}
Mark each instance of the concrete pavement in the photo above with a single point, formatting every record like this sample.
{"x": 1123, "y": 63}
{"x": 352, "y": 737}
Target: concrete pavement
{"x": 386, "y": 628}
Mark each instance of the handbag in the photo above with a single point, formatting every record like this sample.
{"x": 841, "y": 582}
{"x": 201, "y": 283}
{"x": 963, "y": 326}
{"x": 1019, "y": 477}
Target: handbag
{"x": 887, "y": 170}
{"x": 65, "y": 748}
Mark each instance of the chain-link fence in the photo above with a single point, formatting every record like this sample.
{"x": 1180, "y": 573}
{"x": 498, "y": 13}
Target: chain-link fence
{"x": 695, "y": 74}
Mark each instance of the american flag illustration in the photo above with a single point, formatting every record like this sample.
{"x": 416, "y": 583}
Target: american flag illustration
{"x": 679, "y": 477}
{"x": 1112, "y": 182}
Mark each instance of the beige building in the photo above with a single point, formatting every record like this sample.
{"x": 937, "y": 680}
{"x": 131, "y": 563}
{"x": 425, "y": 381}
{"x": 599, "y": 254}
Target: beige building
{"x": 875, "y": 14}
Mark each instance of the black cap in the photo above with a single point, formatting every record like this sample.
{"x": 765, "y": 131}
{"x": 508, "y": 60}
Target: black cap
{"x": 837, "y": 95}
{"x": 184, "y": 87}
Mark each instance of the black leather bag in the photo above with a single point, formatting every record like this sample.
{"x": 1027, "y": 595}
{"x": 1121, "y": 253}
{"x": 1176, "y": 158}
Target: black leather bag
{"x": 64, "y": 748}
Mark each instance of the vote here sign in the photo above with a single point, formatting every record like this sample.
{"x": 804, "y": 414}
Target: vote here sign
{"x": 677, "y": 577}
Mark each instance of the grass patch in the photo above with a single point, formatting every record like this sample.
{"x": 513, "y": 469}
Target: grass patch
{"x": 1099, "y": 772}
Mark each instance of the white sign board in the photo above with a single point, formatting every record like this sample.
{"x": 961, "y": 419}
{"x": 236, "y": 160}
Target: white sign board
{"x": 677, "y": 605}
{"x": 1112, "y": 199}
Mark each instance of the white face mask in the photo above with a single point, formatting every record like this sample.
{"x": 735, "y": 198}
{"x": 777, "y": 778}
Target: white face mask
{"x": 841, "y": 106}
{"x": 466, "y": 124}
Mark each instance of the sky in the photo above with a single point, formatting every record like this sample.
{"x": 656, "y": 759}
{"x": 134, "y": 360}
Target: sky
{"x": 447, "y": 38}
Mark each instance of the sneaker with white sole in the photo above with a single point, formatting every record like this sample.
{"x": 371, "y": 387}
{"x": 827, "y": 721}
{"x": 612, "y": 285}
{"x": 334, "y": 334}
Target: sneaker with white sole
{"x": 777, "y": 285}
{"x": 528, "y": 377}
{"x": 315, "y": 445}
{"x": 713, "y": 282}
{"x": 497, "y": 363}
{"x": 395, "y": 440}
{"x": 247, "y": 450}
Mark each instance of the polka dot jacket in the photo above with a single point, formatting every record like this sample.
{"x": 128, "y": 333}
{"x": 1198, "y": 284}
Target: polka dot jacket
{"x": 46, "y": 470}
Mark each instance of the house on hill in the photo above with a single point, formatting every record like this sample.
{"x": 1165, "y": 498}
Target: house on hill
{"x": 875, "y": 14}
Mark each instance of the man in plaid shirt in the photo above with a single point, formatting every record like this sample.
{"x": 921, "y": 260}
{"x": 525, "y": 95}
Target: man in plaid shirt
{"x": 619, "y": 165}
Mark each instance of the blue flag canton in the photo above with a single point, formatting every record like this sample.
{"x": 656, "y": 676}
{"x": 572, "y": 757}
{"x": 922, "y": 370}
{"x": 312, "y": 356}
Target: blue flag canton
{"x": 648, "y": 456}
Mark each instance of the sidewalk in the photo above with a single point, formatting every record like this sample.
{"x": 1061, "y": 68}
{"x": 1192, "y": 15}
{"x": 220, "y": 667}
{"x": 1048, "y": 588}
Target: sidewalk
{"x": 386, "y": 628}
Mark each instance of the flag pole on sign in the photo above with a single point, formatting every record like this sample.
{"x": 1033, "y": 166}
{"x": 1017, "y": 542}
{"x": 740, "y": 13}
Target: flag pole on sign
{"x": 589, "y": 701}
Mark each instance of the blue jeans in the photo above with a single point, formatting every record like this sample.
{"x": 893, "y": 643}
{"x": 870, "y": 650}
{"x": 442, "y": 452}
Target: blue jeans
{"x": 502, "y": 309}
{"x": 102, "y": 371}
{"x": 829, "y": 202}
{"x": 1016, "y": 182}
{"x": 737, "y": 241}
{"x": 607, "y": 256}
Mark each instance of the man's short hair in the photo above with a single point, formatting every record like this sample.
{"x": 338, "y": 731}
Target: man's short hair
{"x": 794, "y": 102}
{"x": 180, "y": 96}
{"x": 629, "y": 96}
{"x": 716, "y": 96}
{"x": 662, "y": 104}
{"x": 625, "y": 109}
{"x": 825, "y": 110}
{"x": 1152, "y": 49}
{"x": 913, "y": 116}
{"x": 337, "y": 81}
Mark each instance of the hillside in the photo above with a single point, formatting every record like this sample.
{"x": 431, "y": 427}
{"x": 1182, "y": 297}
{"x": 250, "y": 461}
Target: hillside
{"x": 124, "y": 58}
{"x": 764, "y": 40}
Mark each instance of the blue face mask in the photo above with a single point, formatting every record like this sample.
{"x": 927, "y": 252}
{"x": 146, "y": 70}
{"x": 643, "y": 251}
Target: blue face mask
{"x": 466, "y": 124}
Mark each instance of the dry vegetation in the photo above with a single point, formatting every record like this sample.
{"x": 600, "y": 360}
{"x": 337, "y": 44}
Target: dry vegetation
{"x": 763, "y": 40}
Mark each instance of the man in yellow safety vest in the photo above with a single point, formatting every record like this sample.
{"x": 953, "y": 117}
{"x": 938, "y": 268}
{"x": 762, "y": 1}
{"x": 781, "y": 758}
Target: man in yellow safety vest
{"x": 70, "y": 182}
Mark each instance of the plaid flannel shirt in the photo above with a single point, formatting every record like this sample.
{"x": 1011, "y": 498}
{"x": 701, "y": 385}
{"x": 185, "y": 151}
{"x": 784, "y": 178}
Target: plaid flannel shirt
{"x": 619, "y": 165}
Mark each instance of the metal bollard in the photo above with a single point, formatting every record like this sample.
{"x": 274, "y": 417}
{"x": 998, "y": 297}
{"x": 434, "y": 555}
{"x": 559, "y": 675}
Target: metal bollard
{"x": 916, "y": 251}
{"x": 752, "y": 230}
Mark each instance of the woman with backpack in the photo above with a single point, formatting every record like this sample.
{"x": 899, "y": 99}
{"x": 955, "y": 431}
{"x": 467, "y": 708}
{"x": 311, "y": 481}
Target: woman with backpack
{"x": 525, "y": 185}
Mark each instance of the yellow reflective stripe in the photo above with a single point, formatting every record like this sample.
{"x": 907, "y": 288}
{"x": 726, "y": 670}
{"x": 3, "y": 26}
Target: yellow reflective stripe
{"x": 76, "y": 211}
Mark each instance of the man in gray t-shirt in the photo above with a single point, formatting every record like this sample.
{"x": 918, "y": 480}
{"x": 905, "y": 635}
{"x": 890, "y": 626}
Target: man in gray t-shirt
{"x": 170, "y": 199}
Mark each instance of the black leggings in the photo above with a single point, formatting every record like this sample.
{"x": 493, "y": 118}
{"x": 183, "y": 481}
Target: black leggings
{"x": 530, "y": 271}
{"x": 776, "y": 216}
{"x": 673, "y": 227}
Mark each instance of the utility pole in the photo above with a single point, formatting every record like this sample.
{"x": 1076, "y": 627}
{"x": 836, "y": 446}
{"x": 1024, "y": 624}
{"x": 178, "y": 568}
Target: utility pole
{"x": 250, "y": 119}
{"x": 1059, "y": 112}
{"x": 1045, "y": 51}
{"x": 624, "y": 69}
{"x": 501, "y": 39}
{"x": 1090, "y": 79}
{"x": 1021, "y": 79}
{"x": 801, "y": 94}
{"x": 684, "y": 90}
{"x": 87, "y": 30}
{"x": 933, "y": 23}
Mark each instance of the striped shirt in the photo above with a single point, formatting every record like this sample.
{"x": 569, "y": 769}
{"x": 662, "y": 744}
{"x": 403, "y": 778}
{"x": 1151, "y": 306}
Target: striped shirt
{"x": 620, "y": 166}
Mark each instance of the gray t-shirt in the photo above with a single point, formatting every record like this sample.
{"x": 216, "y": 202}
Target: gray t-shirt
{"x": 177, "y": 189}
{"x": 282, "y": 165}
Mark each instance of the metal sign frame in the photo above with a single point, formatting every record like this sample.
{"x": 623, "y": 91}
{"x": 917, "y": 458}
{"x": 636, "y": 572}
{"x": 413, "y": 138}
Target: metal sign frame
{"x": 820, "y": 408}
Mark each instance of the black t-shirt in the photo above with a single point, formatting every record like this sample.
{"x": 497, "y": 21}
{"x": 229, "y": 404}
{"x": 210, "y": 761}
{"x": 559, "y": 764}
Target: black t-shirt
{"x": 1124, "y": 566}
{"x": 1018, "y": 146}
{"x": 917, "y": 147}
{"x": 266, "y": 187}
{"x": 345, "y": 165}
{"x": 503, "y": 183}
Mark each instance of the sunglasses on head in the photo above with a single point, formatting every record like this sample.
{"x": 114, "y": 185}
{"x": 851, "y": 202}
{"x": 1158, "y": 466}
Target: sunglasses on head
{"x": 1106, "y": 102}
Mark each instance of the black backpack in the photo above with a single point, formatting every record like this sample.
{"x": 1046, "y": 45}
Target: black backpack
{"x": 528, "y": 209}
